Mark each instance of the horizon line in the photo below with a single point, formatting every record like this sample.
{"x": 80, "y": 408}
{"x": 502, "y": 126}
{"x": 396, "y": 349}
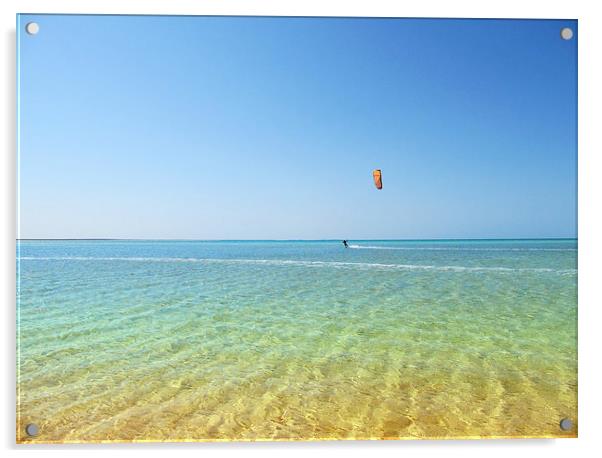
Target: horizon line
{"x": 291, "y": 240}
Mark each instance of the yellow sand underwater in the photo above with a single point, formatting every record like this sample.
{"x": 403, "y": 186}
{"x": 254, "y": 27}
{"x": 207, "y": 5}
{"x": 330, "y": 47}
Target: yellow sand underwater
{"x": 133, "y": 341}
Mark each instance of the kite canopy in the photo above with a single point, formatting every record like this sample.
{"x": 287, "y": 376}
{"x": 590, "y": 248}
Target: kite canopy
{"x": 378, "y": 179}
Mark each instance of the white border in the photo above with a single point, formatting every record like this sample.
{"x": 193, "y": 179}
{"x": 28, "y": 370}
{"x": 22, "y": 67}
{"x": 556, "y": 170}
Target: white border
{"x": 590, "y": 209}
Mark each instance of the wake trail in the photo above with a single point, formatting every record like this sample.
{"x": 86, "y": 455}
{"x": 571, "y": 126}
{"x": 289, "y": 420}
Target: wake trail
{"x": 374, "y": 247}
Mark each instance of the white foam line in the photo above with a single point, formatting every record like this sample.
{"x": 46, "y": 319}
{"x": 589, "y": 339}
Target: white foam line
{"x": 370, "y": 247}
{"x": 282, "y": 262}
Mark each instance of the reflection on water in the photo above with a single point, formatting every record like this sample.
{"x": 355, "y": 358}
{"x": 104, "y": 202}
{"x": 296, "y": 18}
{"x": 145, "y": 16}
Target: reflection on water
{"x": 175, "y": 341}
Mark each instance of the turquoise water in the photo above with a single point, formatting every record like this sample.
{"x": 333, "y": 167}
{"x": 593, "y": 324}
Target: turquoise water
{"x": 254, "y": 340}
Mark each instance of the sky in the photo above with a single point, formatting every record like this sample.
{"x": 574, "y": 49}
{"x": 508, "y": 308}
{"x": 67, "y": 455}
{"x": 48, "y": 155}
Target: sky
{"x": 270, "y": 128}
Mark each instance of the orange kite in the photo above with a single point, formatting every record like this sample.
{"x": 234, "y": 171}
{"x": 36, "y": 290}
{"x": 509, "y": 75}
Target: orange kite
{"x": 378, "y": 178}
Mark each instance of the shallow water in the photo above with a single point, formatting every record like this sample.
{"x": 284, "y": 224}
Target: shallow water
{"x": 189, "y": 340}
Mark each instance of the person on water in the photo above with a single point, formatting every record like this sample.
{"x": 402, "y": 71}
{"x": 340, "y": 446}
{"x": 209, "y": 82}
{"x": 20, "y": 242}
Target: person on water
{"x": 345, "y": 244}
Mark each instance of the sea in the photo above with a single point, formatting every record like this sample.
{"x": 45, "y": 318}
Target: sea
{"x": 159, "y": 340}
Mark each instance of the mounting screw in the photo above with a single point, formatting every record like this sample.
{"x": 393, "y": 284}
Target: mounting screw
{"x": 566, "y": 33}
{"x": 566, "y": 424}
{"x": 32, "y": 28}
{"x": 32, "y": 429}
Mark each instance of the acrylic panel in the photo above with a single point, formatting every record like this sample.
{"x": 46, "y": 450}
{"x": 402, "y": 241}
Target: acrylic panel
{"x": 279, "y": 228}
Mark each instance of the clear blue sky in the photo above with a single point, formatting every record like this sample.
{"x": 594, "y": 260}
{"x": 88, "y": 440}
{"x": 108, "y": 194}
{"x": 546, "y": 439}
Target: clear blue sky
{"x": 269, "y": 128}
